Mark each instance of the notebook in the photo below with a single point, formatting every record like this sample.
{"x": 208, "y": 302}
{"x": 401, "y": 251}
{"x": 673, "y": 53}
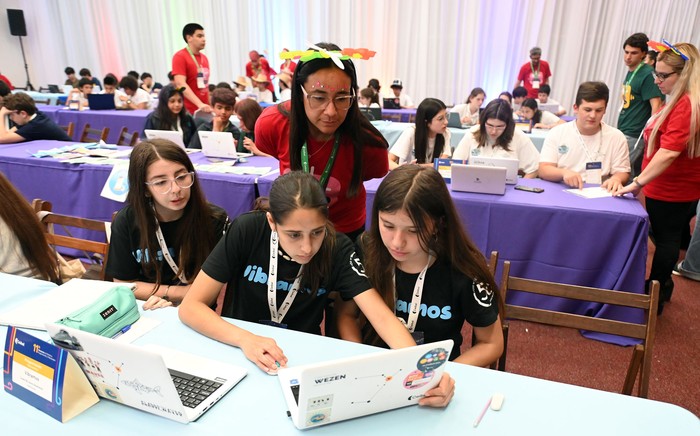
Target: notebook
{"x": 372, "y": 113}
{"x": 326, "y": 392}
{"x": 454, "y": 120}
{"x": 98, "y": 102}
{"x": 170, "y": 135}
{"x": 511, "y": 166}
{"x": 474, "y": 178}
{"x": 219, "y": 144}
{"x": 392, "y": 103}
{"x": 525, "y": 126}
{"x": 139, "y": 378}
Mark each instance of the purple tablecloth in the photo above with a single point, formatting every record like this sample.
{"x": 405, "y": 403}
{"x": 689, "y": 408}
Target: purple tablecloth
{"x": 405, "y": 114}
{"x": 114, "y": 119}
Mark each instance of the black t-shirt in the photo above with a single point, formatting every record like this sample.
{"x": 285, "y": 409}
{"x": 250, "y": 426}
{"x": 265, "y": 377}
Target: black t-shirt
{"x": 42, "y": 128}
{"x": 124, "y": 261}
{"x": 449, "y": 298}
{"x": 208, "y": 127}
{"x": 242, "y": 258}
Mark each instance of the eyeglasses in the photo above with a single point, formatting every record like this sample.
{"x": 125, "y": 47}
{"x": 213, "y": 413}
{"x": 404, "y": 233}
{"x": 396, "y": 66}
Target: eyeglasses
{"x": 319, "y": 101}
{"x": 496, "y": 128}
{"x": 163, "y": 186}
{"x": 662, "y": 76}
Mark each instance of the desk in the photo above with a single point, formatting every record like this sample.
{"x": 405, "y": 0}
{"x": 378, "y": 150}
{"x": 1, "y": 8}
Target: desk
{"x": 401, "y": 115}
{"x": 256, "y": 404}
{"x": 57, "y": 98}
{"x": 391, "y": 131}
{"x": 75, "y": 189}
{"x": 559, "y": 237}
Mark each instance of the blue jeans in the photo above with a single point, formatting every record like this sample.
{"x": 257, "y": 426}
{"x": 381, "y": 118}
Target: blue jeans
{"x": 690, "y": 267}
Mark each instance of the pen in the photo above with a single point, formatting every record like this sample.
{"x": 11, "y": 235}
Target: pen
{"x": 122, "y": 331}
{"x": 483, "y": 412}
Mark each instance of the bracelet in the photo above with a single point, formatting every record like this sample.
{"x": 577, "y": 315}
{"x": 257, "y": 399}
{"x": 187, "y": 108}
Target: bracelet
{"x": 636, "y": 182}
{"x": 165, "y": 296}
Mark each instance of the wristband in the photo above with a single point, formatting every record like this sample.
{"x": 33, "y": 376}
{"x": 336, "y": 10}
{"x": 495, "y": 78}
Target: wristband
{"x": 165, "y": 296}
{"x": 636, "y": 182}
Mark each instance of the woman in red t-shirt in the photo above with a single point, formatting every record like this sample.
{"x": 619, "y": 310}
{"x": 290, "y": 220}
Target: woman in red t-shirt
{"x": 671, "y": 168}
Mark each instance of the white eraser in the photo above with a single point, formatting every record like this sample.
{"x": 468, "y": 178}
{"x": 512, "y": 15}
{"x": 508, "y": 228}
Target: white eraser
{"x": 497, "y": 402}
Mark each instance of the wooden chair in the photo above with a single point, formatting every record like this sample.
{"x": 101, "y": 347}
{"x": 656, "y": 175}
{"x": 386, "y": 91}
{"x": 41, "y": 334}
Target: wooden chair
{"x": 123, "y": 134}
{"x": 641, "y": 354}
{"x": 69, "y": 129}
{"x": 42, "y": 101}
{"x": 97, "y": 251}
{"x": 93, "y": 135}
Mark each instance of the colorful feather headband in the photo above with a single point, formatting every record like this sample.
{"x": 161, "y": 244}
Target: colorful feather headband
{"x": 316, "y": 52}
{"x": 665, "y": 45}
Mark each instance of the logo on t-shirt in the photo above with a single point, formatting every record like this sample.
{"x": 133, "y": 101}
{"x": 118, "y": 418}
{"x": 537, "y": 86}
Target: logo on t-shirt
{"x": 256, "y": 274}
{"x": 356, "y": 265}
{"x": 563, "y": 149}
{"x": 482, "y": 294}
{"x": 431, "y": 312}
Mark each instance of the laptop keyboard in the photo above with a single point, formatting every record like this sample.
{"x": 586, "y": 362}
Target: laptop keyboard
{"x": 192, "y": 389}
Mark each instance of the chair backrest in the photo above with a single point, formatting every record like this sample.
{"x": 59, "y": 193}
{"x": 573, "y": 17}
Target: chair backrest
{"x": 50, "y": 220}
{"x": 69, "y": 129}
{"x": 640, "y": 363}
{"x": 392, "y": 117}
{"x": 124, "y": 136}
{"x": 42, "y": 101}
{"x": 93, "y": 135}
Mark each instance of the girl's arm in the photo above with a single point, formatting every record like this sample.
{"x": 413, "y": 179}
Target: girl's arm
{"x": 386, "y": 324}
{"x": 658, "y": 164}
{"x": 144, "y": 291}
{"x": 488, "y": 348}
{"x": 393, "y": 161}
{"x": 346, "y": 314}
{"x": 196, "y": 313}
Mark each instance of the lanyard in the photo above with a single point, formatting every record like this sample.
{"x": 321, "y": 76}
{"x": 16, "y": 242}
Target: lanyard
{"x": 585, "y": 148}
{"x": 275, "y": 315}
{"x": 329, "y": 165}
{"x": 535, "y": 74}
{"x": 634, "y": 73}
{"x": 166, "y": 254}
{"x": 415, "y": 300}
{"x": 199, "y": 69}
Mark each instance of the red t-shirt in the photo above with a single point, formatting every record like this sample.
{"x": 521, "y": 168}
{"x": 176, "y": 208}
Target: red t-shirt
{"x": 681, "y": 180}
{"x": 526, "y": 75}
{"x": 6, "y": 80}
{"x": 183, "y": 65}
{"x": 346, "y": 213}
{"x": 264, "y": 68}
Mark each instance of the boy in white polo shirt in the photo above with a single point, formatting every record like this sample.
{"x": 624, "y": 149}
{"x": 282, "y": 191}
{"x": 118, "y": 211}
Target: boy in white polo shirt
{"x": 586, "y": 150}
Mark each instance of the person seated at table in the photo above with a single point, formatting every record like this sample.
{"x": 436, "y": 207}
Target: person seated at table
{"x": 77, "y": 98}
{"x": 23, "y": 247}
{"x": 111, "y": 82}
{"x": 171, "y": 114}
{"x": 543, "y": 98}
{"x": 149, "y": 85}
{"x": 86, "y": 74}
{"x": 242, "y": 84}
{"x": 586, "y": 150}
{"x": 248, "y": 111}
{"x": 134, "y": 74}
{"x": 222, "y": 101}
{"x": 507, "y": 96}
{"x": 538, "y": 119}
{"x": 496, "y": 136}
{"x": 368, "y": 98}
{"x": 30, "y": 124}
{"x": 374, "y": 84}
{"x": 260, "y": 90}
{"x": 71, "y": 79}
{"x": 165, "y": 233}
{"x": 469, "y": 111}
{"x": 426, "y": 140}
{"x": 4, "y": 91}
{"x": 417, "y": 252}
{"x": 285, "y": 83}
{"x": 405, "y": 102}
{"x": 135, "y": 97}
{"x": 519, "y": 96}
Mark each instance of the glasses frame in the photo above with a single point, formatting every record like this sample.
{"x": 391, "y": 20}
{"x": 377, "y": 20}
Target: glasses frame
{"x": 488, "y": 126}
{"x": 173, "y": 180}
{"x": 662, "y": 77}
{"x": 350, "y": 98}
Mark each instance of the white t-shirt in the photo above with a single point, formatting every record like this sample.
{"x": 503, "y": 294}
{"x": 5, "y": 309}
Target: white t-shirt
{"x": 141, "y": 96}
{"x": 521, "y": 148}
{"x": 12, "y": 260}
{"x": 372, "y": 105}
{"x": 264, "y": 96}
{"x": 464, "y": 112}
{"x": 117, "y": 100}
{"x": 404, "y": 99}
{"x": 405, "y": 146}
{"x": 563, "y": 146}
{"x": 549, "y": 118}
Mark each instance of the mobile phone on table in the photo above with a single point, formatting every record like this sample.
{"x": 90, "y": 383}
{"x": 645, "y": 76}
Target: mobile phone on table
{"x": 529, "y": 189}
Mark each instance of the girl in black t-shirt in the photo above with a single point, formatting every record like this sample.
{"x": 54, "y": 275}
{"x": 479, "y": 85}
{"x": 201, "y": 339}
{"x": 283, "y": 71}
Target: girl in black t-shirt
{"x": 416, "y": 236}
{"x": 164, "y": 198}
{"x": 171, "y": 114}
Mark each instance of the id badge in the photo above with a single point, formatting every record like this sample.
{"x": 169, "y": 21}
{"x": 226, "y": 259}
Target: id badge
{"x": 200, "y": 80}
{"x": 536, "y": 84}
{"x": 273, "y": 323}
{"x": 419, "y": 337}
{"x": 594, "y": 173}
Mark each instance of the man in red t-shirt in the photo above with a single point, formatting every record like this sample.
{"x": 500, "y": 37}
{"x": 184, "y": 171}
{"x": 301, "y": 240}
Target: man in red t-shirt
{"x": 191, "y": 69}
{"x": 533, "y": 74}
{"x": 260, "y": 65}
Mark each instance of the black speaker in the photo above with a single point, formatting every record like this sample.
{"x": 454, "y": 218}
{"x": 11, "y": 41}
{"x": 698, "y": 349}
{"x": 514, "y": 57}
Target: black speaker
{"x": 16, "y": 19}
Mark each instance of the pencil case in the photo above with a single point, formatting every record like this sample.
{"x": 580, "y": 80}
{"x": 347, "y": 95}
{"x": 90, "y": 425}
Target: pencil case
{"x": 108, "y": 315}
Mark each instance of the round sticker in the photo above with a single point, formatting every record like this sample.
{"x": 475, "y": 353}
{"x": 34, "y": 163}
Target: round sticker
{"x": 417, "y": 378}
{"x": 432, "y": 359}
{"x": 563, "y": 149}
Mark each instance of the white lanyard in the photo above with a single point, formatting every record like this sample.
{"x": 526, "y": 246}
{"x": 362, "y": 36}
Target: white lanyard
{"x": 585, "y": 148}
{"x": 166, "y": 254}
{"x": 415, "y": 301}
{"x": 278, "y": 315}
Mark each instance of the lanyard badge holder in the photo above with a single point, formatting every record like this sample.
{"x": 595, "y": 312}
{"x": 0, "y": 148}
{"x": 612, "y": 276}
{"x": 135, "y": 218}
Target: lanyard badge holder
{"x": 166, "y": 255}
{"x": 201, "y": 83}
{"x": 329, "y": 165}
{"x": 535, "y": 76}
{"x": 418, "y": 336}
{"x": 277, "y": 315}
{"x": 594, "y": 165}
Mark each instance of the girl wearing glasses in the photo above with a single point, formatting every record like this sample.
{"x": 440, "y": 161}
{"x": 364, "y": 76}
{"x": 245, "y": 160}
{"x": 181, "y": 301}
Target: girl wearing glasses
{"x": 496, "y": 136}
{"x": 160, "y": 240}
{"x": 321, "y": 130}
{"x": 670, "y": 177}
{"x": 171, "y": 114}
{"x": 428, "y": 139}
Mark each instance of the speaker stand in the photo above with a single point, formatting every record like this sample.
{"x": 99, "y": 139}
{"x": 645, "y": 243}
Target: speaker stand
{"x": 26, "y": 67}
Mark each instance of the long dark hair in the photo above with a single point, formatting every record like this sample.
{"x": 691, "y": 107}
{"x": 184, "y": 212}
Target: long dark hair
{"x": 20, "y": 218}
{"x": 501, "y": 110}
{"x": 531, "y": 103}
{"x": 167, "y": 119}
{"x": 355, "y": 126}
{"x": 426, "y": 111}
{"x": 299, "y": 190}
{"x": 195, "y": 234}
{"x": 420, "y": 192}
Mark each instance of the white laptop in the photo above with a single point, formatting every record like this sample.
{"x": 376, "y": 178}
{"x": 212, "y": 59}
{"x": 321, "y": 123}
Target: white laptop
{"x": 138, "y": 377}
{"x": 483, "y": 180}
{"x": 511, "y": 166}
{"x": 549, "y": 107}
{"x": 326, "y": 392}
{"x": 171, "y": 135}
{"x": 219, "y": 144}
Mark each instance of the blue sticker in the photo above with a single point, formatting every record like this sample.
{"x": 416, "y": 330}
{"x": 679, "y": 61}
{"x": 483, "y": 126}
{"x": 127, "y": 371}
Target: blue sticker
{"x": 476, "y": 152}
{"x": 563, "y": 149}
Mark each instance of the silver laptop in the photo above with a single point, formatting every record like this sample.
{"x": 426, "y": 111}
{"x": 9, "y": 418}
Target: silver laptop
{"x": 327, "y": 392}
{"x": 171, "y": 135}
{"x": 219, "y": 144}
{"x": 474, "y": 178}
{"x": 511, "y": 166}
{"x": 553, "y": 108}
{"x": 138, "y": 377}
